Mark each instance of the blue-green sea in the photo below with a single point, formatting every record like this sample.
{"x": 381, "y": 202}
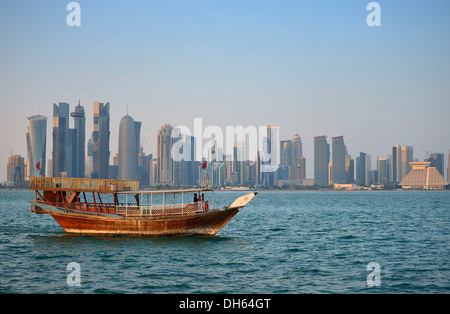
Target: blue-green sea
{"x": 280, "y": 243}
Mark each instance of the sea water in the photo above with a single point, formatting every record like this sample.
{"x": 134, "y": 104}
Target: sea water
{"x": 280, "y": 243}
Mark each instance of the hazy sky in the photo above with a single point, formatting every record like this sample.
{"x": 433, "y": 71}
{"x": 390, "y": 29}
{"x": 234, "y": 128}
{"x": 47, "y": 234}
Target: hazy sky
{"x": 311, "y": 67}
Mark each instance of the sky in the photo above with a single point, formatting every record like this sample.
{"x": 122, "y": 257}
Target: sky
{"x": 310, "y": 67}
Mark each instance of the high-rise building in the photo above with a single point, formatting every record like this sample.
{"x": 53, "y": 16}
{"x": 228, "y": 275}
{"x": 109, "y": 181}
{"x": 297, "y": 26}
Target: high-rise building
{"x": 361, "y": 169}
{"x": 16, "y": 170}
{"x": 298, "y": 161}
{"x": 396, "y": 162}
{"x": 60, "y": 138}
{"x": 448, "y": 166}
{"x": 269, "y": 164}
{"x": 349, "y": 169}
{"x": 407, "y": 157}
{"x": 338, "y": 158}
{"x": 165, "y": 160}
{"x": 401, "y": 157}
{"x": 185, "y": 166}
{"x": 437, "y": 160}
{"x": 286, "y": 162}
{"x": 79, "y": 145}
{"x": 100, "y": 141}
{"x": 238, "y": 163}
{"x": 36, "y": 146}
{"x": 128, "y": 150}
{"x": 321, "y": 160}
{"x": 368, "y": 170}
{"x": 384, "y": 169}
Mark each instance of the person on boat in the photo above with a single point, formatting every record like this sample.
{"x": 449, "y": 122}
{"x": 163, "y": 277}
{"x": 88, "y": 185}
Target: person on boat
{"x": 204, "y": 203}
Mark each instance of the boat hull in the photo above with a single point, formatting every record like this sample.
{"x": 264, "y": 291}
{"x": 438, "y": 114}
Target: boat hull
{"x": 202, "y": 224}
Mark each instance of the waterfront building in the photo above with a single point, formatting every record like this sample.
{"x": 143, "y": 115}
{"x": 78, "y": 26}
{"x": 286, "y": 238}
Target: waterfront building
{"x": 338, "y": 159}
{"x": 401, "y": 157}
{"x": 79, "y": 139}
{"x": 448, "y": 166}
{"x": 361, "y": 169}
{"x": 349, "y": 169}
{"x": 407, "y": 158}
{"x": 298, "y": 161}
{"x": 185, "y": 167}
{"x": 286, "y": 163}
{"x": 437, "y": 160}
{"x": 384, "y": 169}
{"x": 321, "y": 160}
{"x": 422, "y": 176}
{"x": 60, "y": 139}
{"x": 100, "y": 141}
{"x": 271, "y": 150}
{"x": 36, "y": 146}
{"x": 165, "y": 160}
{"x": 16, "y": 170}
{"x": 128, "y": 150}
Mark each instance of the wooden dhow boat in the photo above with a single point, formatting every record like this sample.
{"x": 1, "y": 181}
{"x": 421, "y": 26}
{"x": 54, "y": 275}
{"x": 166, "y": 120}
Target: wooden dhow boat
{"x": 96, "y": 206}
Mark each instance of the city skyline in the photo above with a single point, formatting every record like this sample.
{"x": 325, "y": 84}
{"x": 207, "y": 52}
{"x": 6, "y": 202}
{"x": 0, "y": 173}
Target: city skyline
{"x": 309, "y": 68}
{"x": 332, "y": 158}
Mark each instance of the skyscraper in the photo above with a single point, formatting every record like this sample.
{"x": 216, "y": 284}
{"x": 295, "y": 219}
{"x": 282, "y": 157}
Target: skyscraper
{"x": 321, "y": 160}
{"x": 298, "y": 162}
{"x": 401, "y": 157}
{"x": 270, "y": 157}
{"x": 16, "y": 170}
{"x": 338, "y": 159}
{"x": 185, "y": 168}
{"x": 128, "y": 150}
{"x": 407, "y": 157}
{"x": 286, "y": 160}
{"x": 60, "y": 138}
{"x": 437, "y": 160}
{"x": 36, "y": 146}
{"x": 100, "y": 141}
{"x": 361, "y": 169}
{"x": 448, "y": 166}
{"x": 349, "y": 169}
{"x": 80, "y": 138}
{"x": 384, "y": 169}
{"x": 165, "y": 160}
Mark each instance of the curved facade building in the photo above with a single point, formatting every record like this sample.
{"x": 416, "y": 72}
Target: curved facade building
{"x": 127, "y": 149}
{"x": 36, "y": 146}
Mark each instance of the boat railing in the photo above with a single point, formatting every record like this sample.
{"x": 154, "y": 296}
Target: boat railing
{"x": 164, "y": 210}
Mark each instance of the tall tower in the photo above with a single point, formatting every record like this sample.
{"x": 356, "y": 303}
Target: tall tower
{"x": 338, "y": 159}
{"x": 321, "y": 160}
{"x": 80, "y": 138}
{"x": 297, "y": 160}
{"x": 100, "y": 141}
{"x": 407, "y": 157}
{"x": 128, "y": 151}
{"x": 36, "y": 146}
{"x": 60, "y": 138}
{"x": 165, "y": 160}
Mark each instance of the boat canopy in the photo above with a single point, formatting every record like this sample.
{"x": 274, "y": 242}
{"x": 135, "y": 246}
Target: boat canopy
{"x": 82, "y": 185}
